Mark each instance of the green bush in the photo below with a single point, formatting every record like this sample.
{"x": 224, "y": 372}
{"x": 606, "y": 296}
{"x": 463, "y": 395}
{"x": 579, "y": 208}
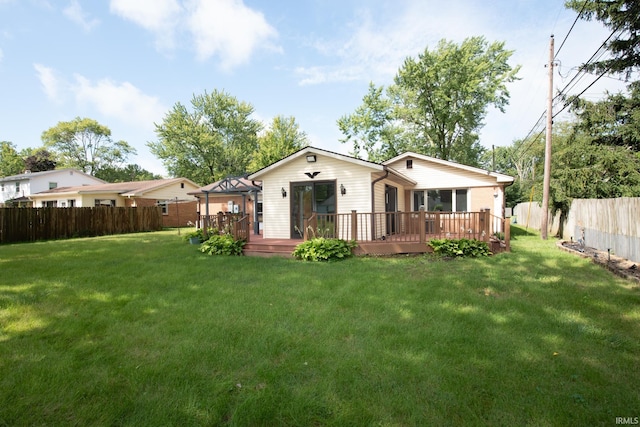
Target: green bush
{"x": 460, "y": 247}
{"x": 323, "y": 249}
{"x": 222, "y": 244}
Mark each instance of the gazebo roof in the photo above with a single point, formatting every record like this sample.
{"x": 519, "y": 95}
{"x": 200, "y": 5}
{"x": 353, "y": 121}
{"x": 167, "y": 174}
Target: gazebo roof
{"x": 229, "y": 185}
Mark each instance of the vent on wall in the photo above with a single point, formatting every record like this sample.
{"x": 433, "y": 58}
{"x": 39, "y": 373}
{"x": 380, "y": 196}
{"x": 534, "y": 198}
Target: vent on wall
{"x": 410, "y": 164}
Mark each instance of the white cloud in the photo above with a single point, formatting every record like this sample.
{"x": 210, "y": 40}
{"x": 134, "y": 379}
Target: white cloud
{"x": 229, "y": 29}
{"x": 160, "y": 17}
{"x": 51, "y": 85}
{"x": 226, "y": 29}
{"x": 75, "y": 13}
{"x": 376, "y": 47}
{"x": 122, "y": 101}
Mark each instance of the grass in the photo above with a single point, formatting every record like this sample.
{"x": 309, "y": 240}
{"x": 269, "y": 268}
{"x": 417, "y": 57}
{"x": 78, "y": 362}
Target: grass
{"x": 144, "y": 329}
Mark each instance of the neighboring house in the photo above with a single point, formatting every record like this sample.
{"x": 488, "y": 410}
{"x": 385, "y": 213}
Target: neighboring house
{"x": 16, "y": 189}
{"x": 313, "y": 180}
{"x": 231, "y": 195}
{"x": 178, "y": 207}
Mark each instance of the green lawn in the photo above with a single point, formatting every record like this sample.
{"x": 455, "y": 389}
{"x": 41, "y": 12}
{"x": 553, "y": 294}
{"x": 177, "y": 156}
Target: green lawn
{"x": 145, "y": 330}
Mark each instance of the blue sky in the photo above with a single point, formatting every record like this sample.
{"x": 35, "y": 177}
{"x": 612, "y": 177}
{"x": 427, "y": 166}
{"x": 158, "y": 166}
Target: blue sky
{"x": 125, "y": 63}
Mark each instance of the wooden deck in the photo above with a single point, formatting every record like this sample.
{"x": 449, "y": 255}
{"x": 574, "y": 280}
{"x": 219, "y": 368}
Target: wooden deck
{"x": 376, "y": 234}
{"x": 259, "y": 246}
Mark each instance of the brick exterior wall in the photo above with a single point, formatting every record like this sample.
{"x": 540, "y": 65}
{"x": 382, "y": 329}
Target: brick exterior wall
{"x": 178, "y": 215}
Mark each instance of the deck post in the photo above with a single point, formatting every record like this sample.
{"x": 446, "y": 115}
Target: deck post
{"x": 354, "y": 225}
{"x": 422, "y": 225}
{"x": 507, "y": 233}
{"x": 485, "y": 224}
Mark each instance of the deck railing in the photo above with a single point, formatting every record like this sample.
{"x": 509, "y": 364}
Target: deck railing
{"x": 419, "y": 226}
{"x": 237, "y": 225}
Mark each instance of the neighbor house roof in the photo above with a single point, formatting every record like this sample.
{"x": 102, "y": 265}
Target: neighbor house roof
{"x": 125, "y": 189}
{"x": 317, "y": 151}
{"x": 500, "y": 178}
{"x": 30, "y": 175}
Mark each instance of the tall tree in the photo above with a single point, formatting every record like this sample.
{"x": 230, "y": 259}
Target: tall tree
{"x": 215, "y": 139}
{"x": 39, "y": 160}
{"x": 372, "y": 127}
{"x": 11, "y": 163}
{"x": 436, "y": 106}
{"x": 85, "y": 144}
{"x": 128, "y": 173}
{"x": 448, "y": 92}
{"x": 283, "y": 137}
{"x": 622, "y": 17}
{"x": 615, "y": 120}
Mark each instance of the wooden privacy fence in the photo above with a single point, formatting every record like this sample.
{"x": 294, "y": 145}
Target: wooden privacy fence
{"x": 31, "y": 224}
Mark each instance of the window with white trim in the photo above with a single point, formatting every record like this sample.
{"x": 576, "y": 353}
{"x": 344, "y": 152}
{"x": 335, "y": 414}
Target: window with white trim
{"x": 164, "y": 205}
{"x": 446, "y": 200}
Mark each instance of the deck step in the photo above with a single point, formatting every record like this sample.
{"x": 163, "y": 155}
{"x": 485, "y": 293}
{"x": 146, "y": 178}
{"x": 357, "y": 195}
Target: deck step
{"x": 253, "y": 249}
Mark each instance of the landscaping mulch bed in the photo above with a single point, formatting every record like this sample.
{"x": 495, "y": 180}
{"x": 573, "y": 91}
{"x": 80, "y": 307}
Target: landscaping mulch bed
{"x": 620, "y": 266}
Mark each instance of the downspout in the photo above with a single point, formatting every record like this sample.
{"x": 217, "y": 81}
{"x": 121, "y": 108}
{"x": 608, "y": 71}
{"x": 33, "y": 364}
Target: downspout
{"x": 256, "y": 224}
{"x": 373, "y": 201}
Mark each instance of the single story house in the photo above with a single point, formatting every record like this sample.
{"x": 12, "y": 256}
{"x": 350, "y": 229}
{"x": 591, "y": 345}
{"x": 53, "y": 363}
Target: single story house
{"x": 172, "y": 195}
{"x": 16, "y": 189}
{"x": 381, "y": 199}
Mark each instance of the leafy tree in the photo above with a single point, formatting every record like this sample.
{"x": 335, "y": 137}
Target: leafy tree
{"x": 583, "y": 169}
{"x": 127, "y": 173}
{"x": 448, "y": 91}
{"x": 214, "y": 140}
{"x": 283, "y": 137}
{"x": 39, "y": 160}
{"x": 617, "y": 15}
{"x": 614, "y": 120}
{"x": 85, "y": 144}
{"x": 437, "y": 104}
{"x": 372, "y": 128}
{"x": 11, "y": 163}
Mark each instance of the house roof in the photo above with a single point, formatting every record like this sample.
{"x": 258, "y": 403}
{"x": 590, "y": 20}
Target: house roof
{"x": 125, "y": 189}
{"x": 231, "y": 184}
{"x": 318, "y": 151}
{"x": 501, "y": 178}
{"x": 30, "y": 175}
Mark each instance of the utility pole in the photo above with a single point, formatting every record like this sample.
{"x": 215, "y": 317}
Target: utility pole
{"x": 544, "y": 227}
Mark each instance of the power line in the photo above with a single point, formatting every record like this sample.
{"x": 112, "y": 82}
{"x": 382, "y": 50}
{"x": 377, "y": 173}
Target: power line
{"x": 570, "y": 29}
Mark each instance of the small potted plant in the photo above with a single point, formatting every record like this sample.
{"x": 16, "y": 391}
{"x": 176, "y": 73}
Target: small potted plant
{"x": 195, "y": 237}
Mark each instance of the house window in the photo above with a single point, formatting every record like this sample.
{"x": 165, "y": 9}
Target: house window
{"x": 17, "y": 187}
{"x": 53, "y": 185}
{"x": 164, "y": 205}
{"x": 105, "y": 203}
{"x": 71, "y": 203}
{"x": 182, "y": 185}
{"x": 2, "y": 187}
{"x": 409, "y": 164}
{"x": 50, "y": 204}
{"x": 441, "y": 200}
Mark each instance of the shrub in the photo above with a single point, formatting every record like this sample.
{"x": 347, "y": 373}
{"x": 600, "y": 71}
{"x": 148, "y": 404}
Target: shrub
{"x": 323, "y": 249}
{"x": 222, "y": 244}
{"x": 460, "y": 247}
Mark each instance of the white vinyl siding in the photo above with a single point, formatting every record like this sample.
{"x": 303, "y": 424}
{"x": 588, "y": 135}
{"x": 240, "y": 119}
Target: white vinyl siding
{"x": 276, "y": 209}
